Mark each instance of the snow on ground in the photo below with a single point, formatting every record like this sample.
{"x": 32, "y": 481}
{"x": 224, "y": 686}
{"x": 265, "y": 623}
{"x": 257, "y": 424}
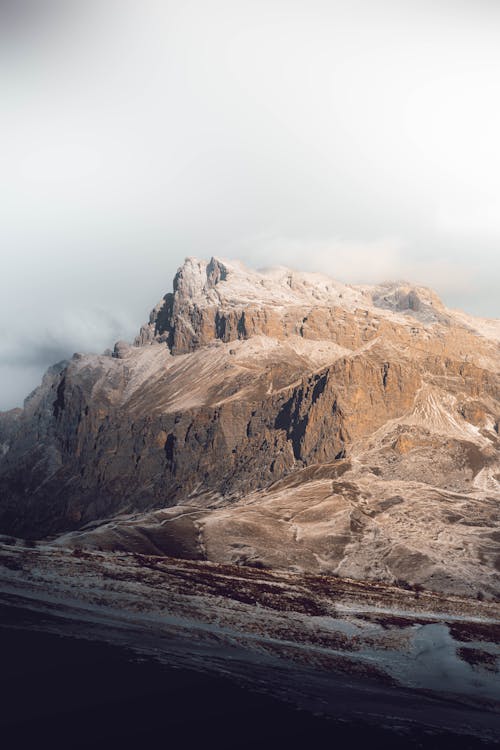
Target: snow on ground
{"x": 335, "y": 627}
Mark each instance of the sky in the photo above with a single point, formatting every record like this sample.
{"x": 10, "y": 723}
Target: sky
{"x": 359, "y": 138}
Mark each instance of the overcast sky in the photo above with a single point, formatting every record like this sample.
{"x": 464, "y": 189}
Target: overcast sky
{"x": 355, "y": 137}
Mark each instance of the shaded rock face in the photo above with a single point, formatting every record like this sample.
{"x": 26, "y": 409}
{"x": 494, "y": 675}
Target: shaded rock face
{"x": 240, "y": 381}
{"x": 91, "y": 456}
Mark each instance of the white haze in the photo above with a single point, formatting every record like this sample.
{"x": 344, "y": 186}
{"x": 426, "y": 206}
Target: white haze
{"x": 355, "y": 137}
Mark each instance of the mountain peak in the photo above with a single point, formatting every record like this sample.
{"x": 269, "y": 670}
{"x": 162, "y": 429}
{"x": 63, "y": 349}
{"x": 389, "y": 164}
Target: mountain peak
{"x": 224, "y": 299}
{"x": 358, "y": 407}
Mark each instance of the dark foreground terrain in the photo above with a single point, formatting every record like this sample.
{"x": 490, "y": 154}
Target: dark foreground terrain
{"x": 60, "y": 691}
{"x": 64, "y": 692}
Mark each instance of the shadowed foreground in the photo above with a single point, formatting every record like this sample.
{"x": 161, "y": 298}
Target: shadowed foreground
{"x": 64, "y": 692}
{"x": 228, "y": 654}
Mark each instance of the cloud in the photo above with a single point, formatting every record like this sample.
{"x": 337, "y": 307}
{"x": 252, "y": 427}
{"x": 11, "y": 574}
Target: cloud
{"x": 354, "y": 137}
{"x": 361, "y": 262}
{"x": 70, "y": 331}
{"x": 26, "y": 350}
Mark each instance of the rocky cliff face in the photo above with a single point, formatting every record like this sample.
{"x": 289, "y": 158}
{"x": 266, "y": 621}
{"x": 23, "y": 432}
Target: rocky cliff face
{"x": 242, "y": 381}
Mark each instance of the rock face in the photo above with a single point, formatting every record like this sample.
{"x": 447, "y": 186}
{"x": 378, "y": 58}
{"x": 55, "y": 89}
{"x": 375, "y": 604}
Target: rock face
{"x": 303, "y": 422}
{"x": 221, "y": 301}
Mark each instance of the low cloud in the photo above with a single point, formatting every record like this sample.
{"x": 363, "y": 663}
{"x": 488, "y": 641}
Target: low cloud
{"x": 26, "y": 354}
{"x": 364, "y": 262}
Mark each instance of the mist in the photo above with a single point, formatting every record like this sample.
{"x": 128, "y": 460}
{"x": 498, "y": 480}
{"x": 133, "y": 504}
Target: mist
{"x": 355, "y": 137}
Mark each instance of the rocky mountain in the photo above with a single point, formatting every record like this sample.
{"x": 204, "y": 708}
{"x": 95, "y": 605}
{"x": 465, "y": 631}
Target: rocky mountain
{"x": 274, "y": 419}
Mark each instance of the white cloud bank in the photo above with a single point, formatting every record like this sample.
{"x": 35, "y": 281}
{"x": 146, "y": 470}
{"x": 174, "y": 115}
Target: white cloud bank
{"x": 356, "y": 137}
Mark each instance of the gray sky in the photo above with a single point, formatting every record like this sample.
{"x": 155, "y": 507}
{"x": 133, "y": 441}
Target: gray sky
{"x": 355, "y": 137}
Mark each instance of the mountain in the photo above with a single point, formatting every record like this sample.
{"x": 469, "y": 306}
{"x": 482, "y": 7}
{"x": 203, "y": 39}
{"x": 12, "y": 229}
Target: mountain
{"x": 274, "y": 419}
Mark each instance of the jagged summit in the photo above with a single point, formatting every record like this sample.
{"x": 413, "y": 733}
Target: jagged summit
{"x": 197, "y": 279}
{"x": 222, "y": 281}
{"x": 224, "y": 300}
